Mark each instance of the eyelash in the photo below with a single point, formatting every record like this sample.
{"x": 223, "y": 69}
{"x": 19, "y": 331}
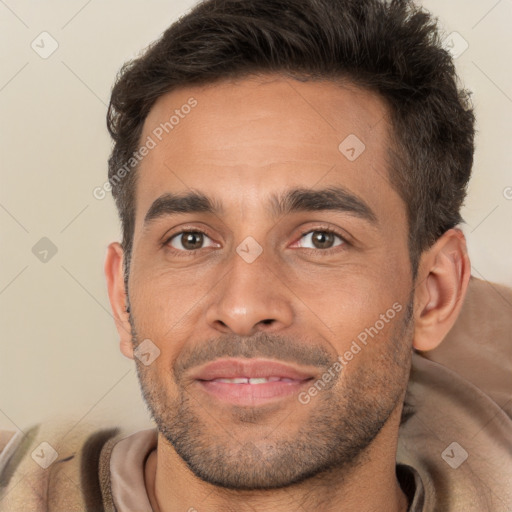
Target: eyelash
{"x": 329, "y": 251}
{"x": 178, "y": 252}
{"x": 336, "y": 248}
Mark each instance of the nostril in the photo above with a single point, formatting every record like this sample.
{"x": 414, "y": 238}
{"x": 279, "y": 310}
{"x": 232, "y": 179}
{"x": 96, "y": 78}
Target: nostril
{"x": 268, "y": 321}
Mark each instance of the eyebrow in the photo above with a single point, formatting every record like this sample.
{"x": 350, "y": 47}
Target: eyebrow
{"x": 295, "y": 200}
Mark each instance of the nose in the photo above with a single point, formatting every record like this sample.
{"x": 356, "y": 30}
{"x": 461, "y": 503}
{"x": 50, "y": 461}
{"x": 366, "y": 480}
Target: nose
{"x": 250, "y": 298}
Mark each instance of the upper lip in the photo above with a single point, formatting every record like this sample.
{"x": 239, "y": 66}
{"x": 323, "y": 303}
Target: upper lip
{"x": 249, "y": 368}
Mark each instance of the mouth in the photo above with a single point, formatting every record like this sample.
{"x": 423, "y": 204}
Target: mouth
{"x": 251, "y": 381}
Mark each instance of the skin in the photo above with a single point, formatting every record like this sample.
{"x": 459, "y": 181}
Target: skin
{"x": 298, "y": 300}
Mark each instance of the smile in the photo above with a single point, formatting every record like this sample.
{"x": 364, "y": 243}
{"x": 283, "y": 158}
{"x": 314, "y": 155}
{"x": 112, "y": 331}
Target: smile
{"x": 255, "y": 380}
{"x": 252, "y": 392}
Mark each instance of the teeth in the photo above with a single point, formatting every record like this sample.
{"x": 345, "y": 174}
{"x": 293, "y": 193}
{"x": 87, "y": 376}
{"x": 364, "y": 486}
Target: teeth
{"x": 259, "y": 380}
{"x": 234, "y": 381}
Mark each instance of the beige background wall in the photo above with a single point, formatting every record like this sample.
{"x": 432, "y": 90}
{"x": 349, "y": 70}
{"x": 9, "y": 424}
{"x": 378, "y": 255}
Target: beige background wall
{"x": 59, "y": 348}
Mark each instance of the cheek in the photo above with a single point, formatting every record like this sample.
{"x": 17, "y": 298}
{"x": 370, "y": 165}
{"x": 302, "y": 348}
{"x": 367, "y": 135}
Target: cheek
{"x": 358, "y": 303}
{"x": 163, "y": 301}
{"x": 159, "y": 388}
{"x": 362, "y": 319}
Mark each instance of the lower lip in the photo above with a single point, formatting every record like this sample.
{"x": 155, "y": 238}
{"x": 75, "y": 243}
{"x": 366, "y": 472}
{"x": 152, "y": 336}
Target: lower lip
{"x": 252, "y": 394}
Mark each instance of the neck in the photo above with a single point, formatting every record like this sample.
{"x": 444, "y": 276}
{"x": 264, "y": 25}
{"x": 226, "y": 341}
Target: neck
{"x": 371, "y": 484}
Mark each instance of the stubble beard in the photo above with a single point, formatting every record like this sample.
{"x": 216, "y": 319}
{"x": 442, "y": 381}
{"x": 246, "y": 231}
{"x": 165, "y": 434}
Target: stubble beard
{"x": 342, "y": 424}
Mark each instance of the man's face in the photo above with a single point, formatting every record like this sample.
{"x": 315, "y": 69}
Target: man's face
{"x": 271, "y": 270}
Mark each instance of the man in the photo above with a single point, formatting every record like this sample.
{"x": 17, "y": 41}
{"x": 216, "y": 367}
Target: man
{"x": 289, "y": 177}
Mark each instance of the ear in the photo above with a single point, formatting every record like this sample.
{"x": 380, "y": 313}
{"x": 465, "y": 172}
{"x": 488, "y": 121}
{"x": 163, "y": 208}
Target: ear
{"x": 117, "y": 296}
{"x": 441, "y": 285}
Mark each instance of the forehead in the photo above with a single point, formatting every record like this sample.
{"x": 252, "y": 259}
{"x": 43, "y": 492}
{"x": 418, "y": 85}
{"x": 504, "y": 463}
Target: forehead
{"x": 238, "y": 140}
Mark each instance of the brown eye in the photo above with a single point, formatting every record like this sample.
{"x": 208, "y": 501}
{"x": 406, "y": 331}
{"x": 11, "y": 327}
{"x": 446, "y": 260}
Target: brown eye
{"x": 188, "y": 240}
{"x": 320, "y": 239}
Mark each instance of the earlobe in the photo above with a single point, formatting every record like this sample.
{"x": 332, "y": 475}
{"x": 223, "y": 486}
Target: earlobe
{"x": 441, "y": 287}
{"x": 117, "y": 296}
